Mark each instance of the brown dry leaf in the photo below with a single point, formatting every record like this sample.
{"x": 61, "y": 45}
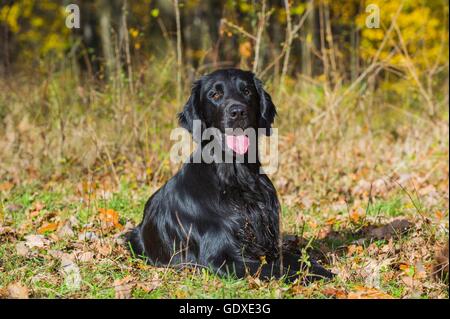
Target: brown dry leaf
{"x": 123, "y": 287}
{"x": 6, "y": 186}
{"x": 298, "y": 289}
{"x": 371, "y": 271}
{"x": 35, "y": 241}
{"x": 335, "y": 293}
{"x": 18, "y": 291}
{"x": 55, "y": 253}
{"x": 65, "y": 230}
{"x": 37, "y": 207}
{"x": 408, "y": 281}
{"x": 354, "y": 249}
{"x": 324, "y": 232}
{"x": 86, "y": 256}
{"x": 153, "y": 284}
{"x": 47, "y": 227}
{"x": 88, "y": 236}
{"x": 253, "y": 282}
{"x": 109, "y": 218}
{"x": 103, "y": 249}
{"x": 361, "y": 292}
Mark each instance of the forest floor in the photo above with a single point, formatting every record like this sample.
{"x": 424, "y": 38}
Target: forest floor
{"x": 371, "y": 206}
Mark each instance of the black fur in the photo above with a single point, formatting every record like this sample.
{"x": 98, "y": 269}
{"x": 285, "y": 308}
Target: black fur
{"x": 223, "y": 216}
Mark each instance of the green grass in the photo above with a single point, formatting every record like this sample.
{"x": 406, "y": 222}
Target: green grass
{"x": 323, "y": 157}
{"x": 41, "y": 272}
{"x": 392, "y": 207}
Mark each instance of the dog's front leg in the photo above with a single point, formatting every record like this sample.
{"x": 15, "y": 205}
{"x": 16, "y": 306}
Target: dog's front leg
{"x": 311, "y": 272}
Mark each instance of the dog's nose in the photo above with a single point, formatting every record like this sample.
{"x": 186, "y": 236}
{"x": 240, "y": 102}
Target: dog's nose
{"x": 237, "y": 111}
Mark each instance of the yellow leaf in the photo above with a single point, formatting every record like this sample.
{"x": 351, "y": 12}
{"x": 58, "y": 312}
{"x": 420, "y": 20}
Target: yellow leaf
{"x": 245, "y": 49}
{"x": 109, "y": 217}
{"x": 354, "y": 216}
{"x": 48, "y": 227}
{"x": 404, "y": 267}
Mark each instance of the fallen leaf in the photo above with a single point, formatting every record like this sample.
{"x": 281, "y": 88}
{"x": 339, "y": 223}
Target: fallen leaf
{"x": 6, "y": 186}
{"x": 37, "y": 207}
{"x": 408, "y": 281}
{"x": 254, "y": 282}
{"x": 71, "y": 272}
{"x": 151, "y": 285}
{"x": 354, "y": 216}
{"x": 123, "y": 287}
{"x": 18, "y": 291}
{"x": 22, "y": 249}
{"x": 354, "y": 249}
{"x": 335, "y": 293}
{"x": 88, "y": 236}
{"x": 65, "y": 230}
{"x": 86, "y": 256}
{"x": 47, "y": 227}
{"x": 103, "y": 249}
{"x": 440, "y": 214}
{"x": 55, "y": 253}
{"x": 35, "y": 241}
{"x": 407, "y": 269}
{"x": 298, "y": 289}
{"x": 361, "y": 292}
{"x": 372, "y": 271}
{"x": 109, "y": 218}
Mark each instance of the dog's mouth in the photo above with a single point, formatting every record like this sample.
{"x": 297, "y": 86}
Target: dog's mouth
{"x": 238, "y": 143}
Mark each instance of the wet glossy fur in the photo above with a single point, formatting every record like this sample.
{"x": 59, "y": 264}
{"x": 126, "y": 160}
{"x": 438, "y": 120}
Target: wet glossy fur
{"x": 223, "y": 216}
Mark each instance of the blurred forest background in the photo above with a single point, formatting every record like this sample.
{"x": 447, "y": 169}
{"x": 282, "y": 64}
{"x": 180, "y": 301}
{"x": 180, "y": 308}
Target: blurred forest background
{"x": 155, "y": 49}
{"x": 86, "y": 114}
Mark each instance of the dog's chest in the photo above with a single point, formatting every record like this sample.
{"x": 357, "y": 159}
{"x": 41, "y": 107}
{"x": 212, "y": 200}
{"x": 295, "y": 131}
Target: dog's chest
{"x": 256, "y": 223}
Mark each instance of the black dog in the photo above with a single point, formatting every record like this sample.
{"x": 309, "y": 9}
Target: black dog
{"x": 223, "y": 216}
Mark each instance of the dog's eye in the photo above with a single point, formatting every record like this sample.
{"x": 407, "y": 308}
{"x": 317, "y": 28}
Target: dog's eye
{"x": 246, "y": 92}
{"x": 216, "y": 96}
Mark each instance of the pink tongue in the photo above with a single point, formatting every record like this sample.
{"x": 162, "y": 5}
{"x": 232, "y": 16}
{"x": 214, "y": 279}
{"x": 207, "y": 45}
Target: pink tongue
{"x": 238, "y": 143}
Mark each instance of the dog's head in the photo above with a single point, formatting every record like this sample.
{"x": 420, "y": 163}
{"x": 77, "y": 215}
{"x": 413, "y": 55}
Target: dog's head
{"x": 228, "y": 100}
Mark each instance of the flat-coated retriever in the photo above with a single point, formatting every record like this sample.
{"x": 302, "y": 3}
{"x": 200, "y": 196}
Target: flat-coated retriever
{"x": 218, "y": 214}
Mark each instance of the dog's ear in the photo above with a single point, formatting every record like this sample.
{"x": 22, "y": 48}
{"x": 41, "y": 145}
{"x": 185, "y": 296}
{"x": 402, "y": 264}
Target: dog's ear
{"x": 266, "y": 107}
{"x": 190, "y": 111}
